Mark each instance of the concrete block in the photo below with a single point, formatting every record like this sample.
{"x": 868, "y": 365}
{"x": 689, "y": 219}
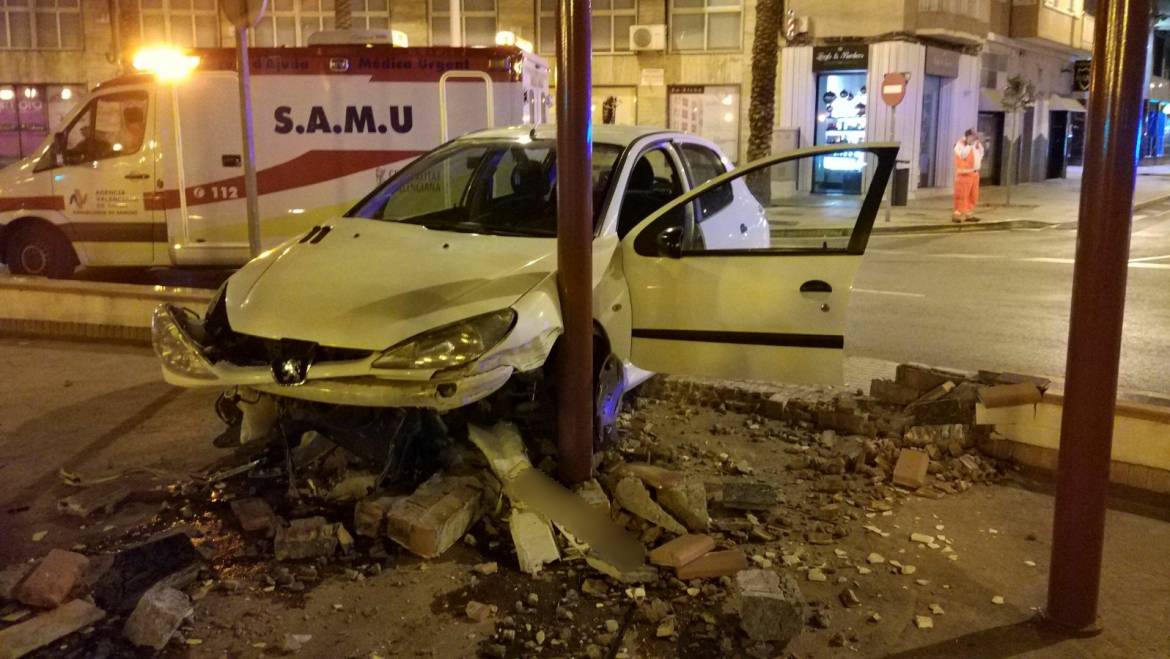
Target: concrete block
{"x": 632, "y": 495}
{"x": 436, "y": 515}
{"x": 774, "y": 406}
{"x": 910, "y": 470}
{"x": 682, "y": 550}
{"x": 687, "y": 502}
{"x": 714, "y": 564}
{"x": 158, "y": 614}
{"x": 309, "y": 537}
{"x": 51, "y": 580}
{"x": 533, "y": 538}
{"x": 28, "y": 636}
{"x": 771, "y": 607}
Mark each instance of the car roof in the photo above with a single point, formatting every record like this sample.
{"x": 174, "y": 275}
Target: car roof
{"x": 604, "y": 133}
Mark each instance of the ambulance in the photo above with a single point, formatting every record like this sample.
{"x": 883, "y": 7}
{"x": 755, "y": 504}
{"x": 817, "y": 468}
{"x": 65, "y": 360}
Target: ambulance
{"x": 148, "y": 170}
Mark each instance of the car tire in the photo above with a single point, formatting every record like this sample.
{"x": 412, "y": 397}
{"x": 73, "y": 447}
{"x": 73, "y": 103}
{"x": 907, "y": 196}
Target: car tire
{"x": 40, "y": 251}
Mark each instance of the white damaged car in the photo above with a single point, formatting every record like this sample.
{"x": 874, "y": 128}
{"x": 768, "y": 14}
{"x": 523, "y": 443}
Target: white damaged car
{"x": 438, "y": 290}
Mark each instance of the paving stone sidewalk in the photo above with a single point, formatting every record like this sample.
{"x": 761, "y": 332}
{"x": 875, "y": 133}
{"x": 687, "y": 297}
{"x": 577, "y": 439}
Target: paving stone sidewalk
{"x": 1034, "y": 205}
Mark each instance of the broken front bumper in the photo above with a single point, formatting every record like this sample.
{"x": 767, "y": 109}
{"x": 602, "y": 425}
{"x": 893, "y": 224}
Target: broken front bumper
{"x": 185, "y": 363}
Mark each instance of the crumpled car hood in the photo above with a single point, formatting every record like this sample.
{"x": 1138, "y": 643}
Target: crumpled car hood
{"x": 369, "y": 284}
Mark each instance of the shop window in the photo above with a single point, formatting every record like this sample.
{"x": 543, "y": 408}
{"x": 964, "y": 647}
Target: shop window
{"x": 842, "y": 100}
{"x": 611, "y": 25}
{"x": 710, "y": 111}
{"x": 706, "y": 24}
{"x": 41, "y": 24}
{"x": 187, "y": 23}
{"x": 29, "y": 113}
{"x": 479, "y": 22}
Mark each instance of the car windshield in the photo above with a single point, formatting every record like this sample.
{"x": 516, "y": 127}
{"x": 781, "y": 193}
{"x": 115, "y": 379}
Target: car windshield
{"x": 504, "y": 187}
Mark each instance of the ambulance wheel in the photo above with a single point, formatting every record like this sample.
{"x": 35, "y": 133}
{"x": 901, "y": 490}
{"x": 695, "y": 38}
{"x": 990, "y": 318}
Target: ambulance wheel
{"x": 40, "y": 251}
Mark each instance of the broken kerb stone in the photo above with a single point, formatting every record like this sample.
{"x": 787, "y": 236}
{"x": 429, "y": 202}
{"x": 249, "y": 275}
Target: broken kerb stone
{"x": 749, "y": 495}
{"x": 50, "y": 582}
{"x": 158, "y": 614}
{"x": 687, "y": 502}
{"x": 21, "y": 639}
{"x": 1006, "y": 395}
{"x": 533, "y": 538}
{"x": 631, "y": 494}
{"x": 534, "y": 490}
{"x": 436, "y": 515}
{"x": 771, "y": 607}
{"x": 888, "y": 391}
{"x": 652, "y": 475}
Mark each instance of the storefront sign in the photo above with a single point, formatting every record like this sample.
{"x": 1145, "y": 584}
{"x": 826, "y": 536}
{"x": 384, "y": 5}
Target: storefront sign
{"x": 1082, "y": 75}
{"x": 894, "y": 88}
{"x": 840, "y": 58}
{"x": 942, "y": 62}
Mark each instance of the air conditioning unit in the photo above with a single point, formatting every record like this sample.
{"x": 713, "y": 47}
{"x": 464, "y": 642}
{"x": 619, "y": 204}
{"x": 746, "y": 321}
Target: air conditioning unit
{"x": 647, "y": 37}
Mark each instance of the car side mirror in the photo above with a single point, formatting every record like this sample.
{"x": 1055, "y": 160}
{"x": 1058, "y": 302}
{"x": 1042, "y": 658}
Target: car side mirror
{"x": 669, "y": 242}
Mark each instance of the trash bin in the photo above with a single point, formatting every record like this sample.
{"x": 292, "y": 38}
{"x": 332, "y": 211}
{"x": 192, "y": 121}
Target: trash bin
{"x": 901, "y": 185}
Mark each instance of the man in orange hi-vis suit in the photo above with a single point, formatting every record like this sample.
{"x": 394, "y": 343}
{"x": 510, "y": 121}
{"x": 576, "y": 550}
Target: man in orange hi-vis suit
{"x": 968, "y": 160}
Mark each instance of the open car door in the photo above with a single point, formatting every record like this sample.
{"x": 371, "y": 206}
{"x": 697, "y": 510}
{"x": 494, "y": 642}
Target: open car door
{"x": 771, "y": 307}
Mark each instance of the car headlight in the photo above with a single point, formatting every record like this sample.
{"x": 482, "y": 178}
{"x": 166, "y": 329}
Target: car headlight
{"x": 174, "y": 349}
{"x": 449, "y": 346}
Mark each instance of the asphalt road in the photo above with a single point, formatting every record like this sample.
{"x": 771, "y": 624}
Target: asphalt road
{"x": 1000, "y": 300}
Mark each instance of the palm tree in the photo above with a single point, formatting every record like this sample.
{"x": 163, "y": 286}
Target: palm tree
{"x": 762, "y": 106}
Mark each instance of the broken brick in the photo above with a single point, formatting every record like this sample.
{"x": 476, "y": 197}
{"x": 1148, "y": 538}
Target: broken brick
{"x": 910, "y": 470}
{"x": 19, "y": 640}
{"x": 749, "y": 495}
{"x": 51, "y": 580}
{"x": 687, "y": 502}
{"x": 309, "y": 537}
{"x": 682, "y": 550}
{"x": 714, "y": 564}
{"x": 369, "y": 515}
{"x": 254, "y": 514}
{"x": 436, "y": 515}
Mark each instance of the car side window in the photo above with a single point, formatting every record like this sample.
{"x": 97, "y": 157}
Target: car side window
{"x": 109, "y": 126}
{"x": 704, "y": 165}
{"x": 653, "y": 182}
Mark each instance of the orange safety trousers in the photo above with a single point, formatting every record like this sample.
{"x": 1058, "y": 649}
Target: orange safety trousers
{"x": 966, "y": 192}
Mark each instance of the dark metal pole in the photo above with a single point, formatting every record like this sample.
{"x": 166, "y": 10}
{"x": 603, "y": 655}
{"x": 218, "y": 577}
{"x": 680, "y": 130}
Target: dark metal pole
{"x": 251, "y": 191}
{"x": 575, "y": 240}
{"x": 1098, "y": 308}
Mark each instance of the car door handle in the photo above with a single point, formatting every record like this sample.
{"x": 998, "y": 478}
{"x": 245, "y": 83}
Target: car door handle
{"x": 137, "y": 175}
{"x": 816, "y": 286}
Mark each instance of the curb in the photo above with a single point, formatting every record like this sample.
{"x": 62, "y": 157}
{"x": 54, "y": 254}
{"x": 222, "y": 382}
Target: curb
{"x": 998, "y": 225}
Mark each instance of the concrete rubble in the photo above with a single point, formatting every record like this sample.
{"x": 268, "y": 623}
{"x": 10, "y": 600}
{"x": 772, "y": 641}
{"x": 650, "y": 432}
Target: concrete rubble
{"x": 770, "y": 606}
{"x": 156, "y": 617}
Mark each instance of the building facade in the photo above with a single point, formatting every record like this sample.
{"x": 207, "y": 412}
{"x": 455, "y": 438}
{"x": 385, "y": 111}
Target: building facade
{"x": 959, "y": 55}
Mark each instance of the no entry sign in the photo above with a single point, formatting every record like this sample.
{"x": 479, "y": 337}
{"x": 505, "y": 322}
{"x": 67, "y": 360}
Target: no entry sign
{"x": 894, "y": 88}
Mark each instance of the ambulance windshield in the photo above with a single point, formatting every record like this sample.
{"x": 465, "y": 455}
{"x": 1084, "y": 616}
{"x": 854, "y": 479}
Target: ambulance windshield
{"x": 501, "y": 188}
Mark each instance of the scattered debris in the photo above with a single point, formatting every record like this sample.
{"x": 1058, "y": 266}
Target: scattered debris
{"x": 51, "y": 580}
{"x": 254, "y": 514}
{"x": 749, "y": 495}
{"x": 532, "y": 536}
{"x": 309, "y": 537}
{"x": 998, "y": 599}
{"x": 478, "y": 611}
{"x": 924, "y": 622}
{"x": 126, "y": 575}
{"x": 631, "y": 494}
{"x": 687, "y": 501}
{"x": 104, "y": 498}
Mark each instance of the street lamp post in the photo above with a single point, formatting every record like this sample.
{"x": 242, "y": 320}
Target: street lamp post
{"x": 574, "y": 241}
{"x": 1098, "y": 308}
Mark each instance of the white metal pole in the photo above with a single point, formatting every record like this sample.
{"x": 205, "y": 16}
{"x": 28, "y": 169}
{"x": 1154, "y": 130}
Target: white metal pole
{"x": 456, "y": 11}
{"x": 251, "y": 193}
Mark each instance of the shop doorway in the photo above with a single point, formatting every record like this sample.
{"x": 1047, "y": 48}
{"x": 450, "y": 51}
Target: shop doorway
{"x": 1057, "y": 144}
{"x": 1022, "y": 170}
{"x": 928, "y": 144}
{"x": 842, "y": 99}
{"x": 991, "y": 128}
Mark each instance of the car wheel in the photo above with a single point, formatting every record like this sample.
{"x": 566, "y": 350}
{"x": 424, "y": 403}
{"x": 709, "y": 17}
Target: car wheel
{"x": 40, "y": 251}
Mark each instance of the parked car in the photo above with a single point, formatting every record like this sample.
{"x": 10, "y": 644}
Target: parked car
{"x": 438, "y": 289}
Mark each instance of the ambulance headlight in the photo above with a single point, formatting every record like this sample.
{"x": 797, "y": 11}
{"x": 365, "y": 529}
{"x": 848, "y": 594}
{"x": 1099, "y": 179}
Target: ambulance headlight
{"x": 453, "y": 345}
{"x": 174, "y": 348}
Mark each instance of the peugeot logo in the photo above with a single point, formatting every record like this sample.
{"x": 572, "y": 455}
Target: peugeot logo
{"x": 290, "y": 371}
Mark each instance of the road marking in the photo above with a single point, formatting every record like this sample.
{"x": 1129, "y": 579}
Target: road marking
{"x": 1150, "y": 258}
{"x": 897, "y": 293}
{"x": 1151, "y": 266}
{"x": 1044, "y": 259}
{"x": 1145, "y": 262}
